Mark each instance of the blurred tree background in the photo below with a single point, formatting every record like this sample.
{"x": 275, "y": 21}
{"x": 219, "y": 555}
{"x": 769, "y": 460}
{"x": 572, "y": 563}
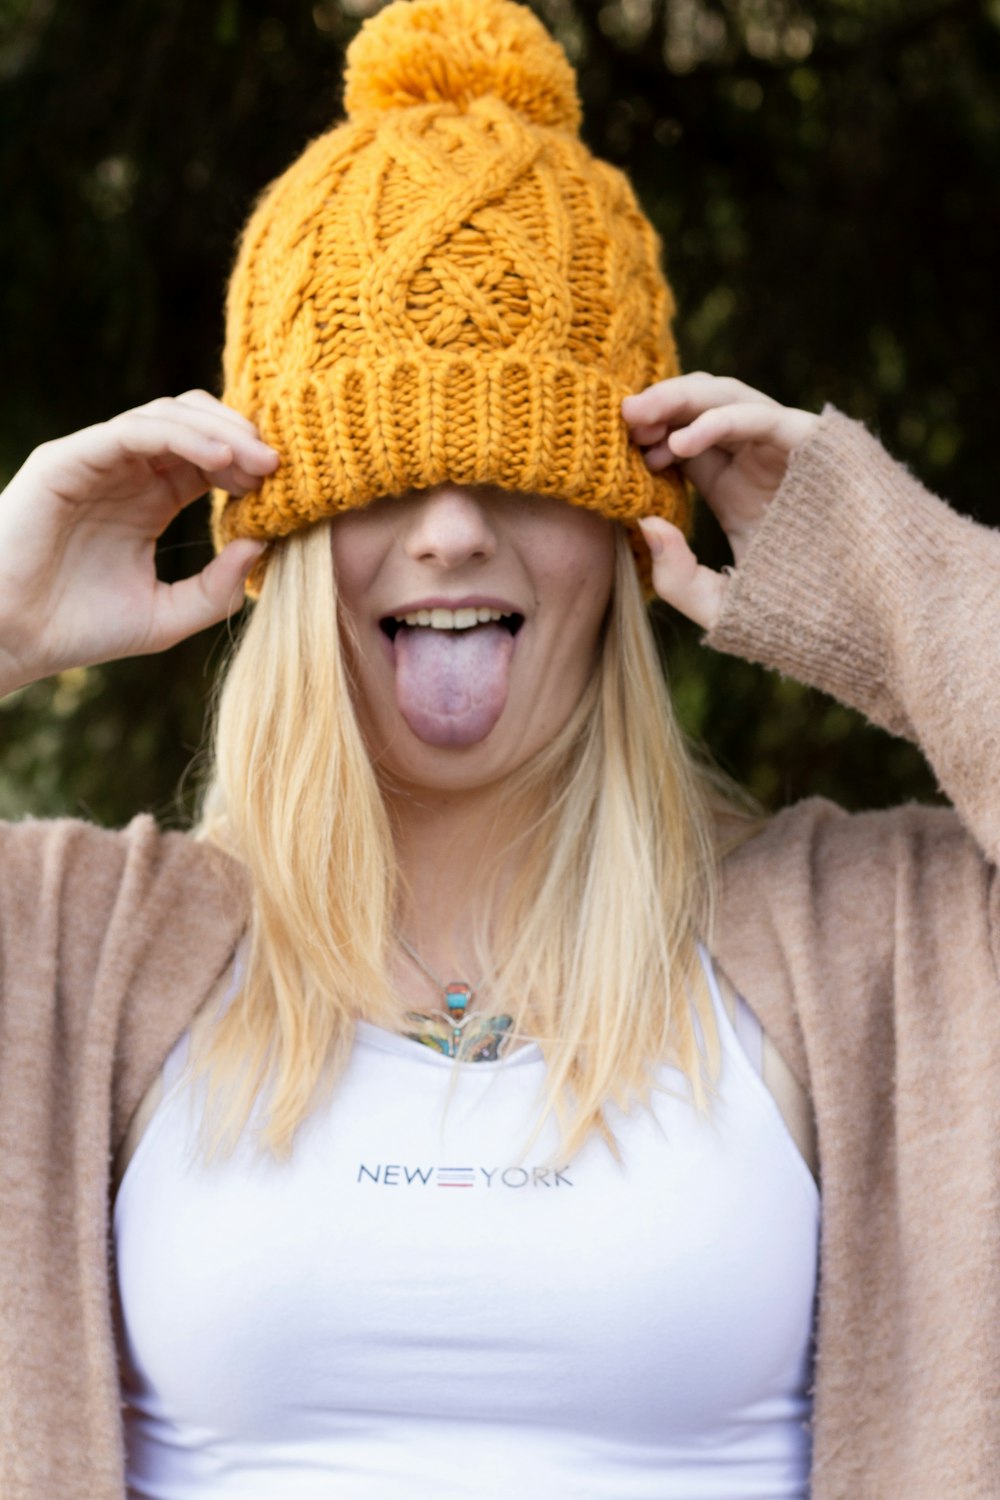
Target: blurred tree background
{"x": 825, "y": 177}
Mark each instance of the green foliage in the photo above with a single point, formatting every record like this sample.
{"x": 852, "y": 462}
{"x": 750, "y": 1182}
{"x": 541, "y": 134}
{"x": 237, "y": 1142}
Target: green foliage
{"x": 823, "y": 175}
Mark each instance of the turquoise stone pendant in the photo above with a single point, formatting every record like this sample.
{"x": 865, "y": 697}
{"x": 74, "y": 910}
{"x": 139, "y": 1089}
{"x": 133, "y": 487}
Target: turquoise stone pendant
{"x": 453, "y": 1031}
{"x": 458, "y": 998}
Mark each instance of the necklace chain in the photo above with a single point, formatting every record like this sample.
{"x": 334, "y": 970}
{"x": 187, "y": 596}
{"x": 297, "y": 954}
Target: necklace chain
{"x": 444, "y": 988}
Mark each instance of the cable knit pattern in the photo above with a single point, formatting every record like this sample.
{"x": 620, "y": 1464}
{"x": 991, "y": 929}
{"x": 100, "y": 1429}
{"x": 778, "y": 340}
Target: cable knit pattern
{"x": 448, "y": 287}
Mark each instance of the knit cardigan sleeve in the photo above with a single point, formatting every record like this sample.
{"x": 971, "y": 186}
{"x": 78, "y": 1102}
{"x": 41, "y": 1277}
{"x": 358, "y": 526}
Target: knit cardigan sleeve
{"x": 867, "y": 944}
{"x": 862, "y": 583}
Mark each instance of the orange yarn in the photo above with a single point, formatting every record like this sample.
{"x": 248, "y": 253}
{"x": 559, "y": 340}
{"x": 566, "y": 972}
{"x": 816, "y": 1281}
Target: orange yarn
{"x": 447, "y": 287}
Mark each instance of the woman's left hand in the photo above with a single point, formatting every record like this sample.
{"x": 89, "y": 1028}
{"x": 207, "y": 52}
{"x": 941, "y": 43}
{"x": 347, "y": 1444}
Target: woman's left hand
{"x": 733, "y": 443}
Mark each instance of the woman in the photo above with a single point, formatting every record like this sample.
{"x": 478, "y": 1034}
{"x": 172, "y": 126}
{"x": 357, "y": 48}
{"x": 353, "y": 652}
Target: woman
{"x": 483, "y": 1175}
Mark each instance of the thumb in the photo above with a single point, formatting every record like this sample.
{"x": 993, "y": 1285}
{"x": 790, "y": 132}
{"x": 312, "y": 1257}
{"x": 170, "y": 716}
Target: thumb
{"x": 679, "y": 578}
{"x": 207, "y": 597}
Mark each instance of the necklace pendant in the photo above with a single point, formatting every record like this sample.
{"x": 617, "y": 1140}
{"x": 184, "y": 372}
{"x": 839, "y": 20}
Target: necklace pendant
{"x": 481, "y": 1041}
{"x": 458, "y": 998}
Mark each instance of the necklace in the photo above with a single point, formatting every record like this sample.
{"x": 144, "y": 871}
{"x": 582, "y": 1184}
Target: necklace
{"x": 470, "y": 1038}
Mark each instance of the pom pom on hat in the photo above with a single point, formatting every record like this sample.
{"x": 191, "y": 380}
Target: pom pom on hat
{"x": 456, "y": 51}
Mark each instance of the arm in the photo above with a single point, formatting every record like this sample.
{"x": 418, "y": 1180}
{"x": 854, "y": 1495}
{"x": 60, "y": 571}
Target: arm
{"x": 850, "y": 577}
{"x": 88, "y": 917}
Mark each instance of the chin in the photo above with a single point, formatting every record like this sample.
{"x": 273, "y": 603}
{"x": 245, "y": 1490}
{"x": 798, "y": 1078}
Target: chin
{"x": 406, "y": 760}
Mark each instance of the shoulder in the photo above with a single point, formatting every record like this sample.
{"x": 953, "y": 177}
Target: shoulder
{"x": 49, "y": 863}
{"x": 816, "y": 862}
{"x": 820, "y": 904}
{"x": 110, "y": 939}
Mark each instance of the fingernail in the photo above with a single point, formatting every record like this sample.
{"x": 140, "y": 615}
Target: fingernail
{"x": 653, "y": 540}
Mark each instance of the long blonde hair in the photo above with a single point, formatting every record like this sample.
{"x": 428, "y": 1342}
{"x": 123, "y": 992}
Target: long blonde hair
{"x": 592, "y": 949}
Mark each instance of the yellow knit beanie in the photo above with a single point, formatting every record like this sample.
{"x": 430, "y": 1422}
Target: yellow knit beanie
{"x": 447, "y": 287}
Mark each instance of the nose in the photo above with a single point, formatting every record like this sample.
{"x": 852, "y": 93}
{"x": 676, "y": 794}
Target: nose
{"x": 449, "y": 527}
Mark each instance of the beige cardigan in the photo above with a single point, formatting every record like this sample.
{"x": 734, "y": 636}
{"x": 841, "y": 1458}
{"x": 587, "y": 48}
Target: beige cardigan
{"x": 866, "y": 944}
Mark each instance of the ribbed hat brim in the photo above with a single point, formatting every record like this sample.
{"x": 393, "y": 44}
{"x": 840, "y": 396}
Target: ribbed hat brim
{"x": 367, "y": 428}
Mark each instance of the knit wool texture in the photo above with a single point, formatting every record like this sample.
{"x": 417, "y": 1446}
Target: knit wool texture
{"x": 448, "y": 287}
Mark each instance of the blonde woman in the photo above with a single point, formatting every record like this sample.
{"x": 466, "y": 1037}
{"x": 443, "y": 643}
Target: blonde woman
{"x": 447, "y": 1114}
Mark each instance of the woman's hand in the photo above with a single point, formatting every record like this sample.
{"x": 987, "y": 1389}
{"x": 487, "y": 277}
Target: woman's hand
{"x": 733, "y": 442}
{"x": 78, "y": 529}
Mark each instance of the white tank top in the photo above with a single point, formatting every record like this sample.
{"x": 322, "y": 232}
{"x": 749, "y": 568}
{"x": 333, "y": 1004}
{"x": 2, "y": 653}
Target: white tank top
{"x": 334, "y": 1327}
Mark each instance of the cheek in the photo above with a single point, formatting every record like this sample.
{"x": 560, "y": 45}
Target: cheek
{"x": 356, "y": 556}
{"x": 574, "y": 570}
{"x": 360, "y": 543}
{"x": 579, "y": 561}
{"x": 349, "y": 559}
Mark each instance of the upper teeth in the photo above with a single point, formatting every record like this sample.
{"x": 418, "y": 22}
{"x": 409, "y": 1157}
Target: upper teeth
{"x": 452, "y": 619}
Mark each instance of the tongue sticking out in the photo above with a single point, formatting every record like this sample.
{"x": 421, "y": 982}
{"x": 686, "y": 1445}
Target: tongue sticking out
{"x": 451, "y": 685}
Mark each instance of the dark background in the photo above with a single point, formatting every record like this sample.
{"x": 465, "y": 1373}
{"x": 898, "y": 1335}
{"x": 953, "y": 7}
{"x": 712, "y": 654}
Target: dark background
{"x": 825, "y": 178}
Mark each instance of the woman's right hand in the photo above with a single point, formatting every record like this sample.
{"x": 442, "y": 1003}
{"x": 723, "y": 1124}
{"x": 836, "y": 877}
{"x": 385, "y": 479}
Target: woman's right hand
{"x": 78, "y": 529}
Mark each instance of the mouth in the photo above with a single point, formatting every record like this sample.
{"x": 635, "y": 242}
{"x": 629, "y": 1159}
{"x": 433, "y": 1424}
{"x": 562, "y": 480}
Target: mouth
{"x": 439, "y": 618}
{"x": 452, "y": 669}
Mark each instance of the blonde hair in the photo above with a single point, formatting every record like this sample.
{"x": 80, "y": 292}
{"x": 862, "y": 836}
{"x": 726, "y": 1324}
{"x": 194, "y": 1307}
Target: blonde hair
{"x": 592, "y": 949}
